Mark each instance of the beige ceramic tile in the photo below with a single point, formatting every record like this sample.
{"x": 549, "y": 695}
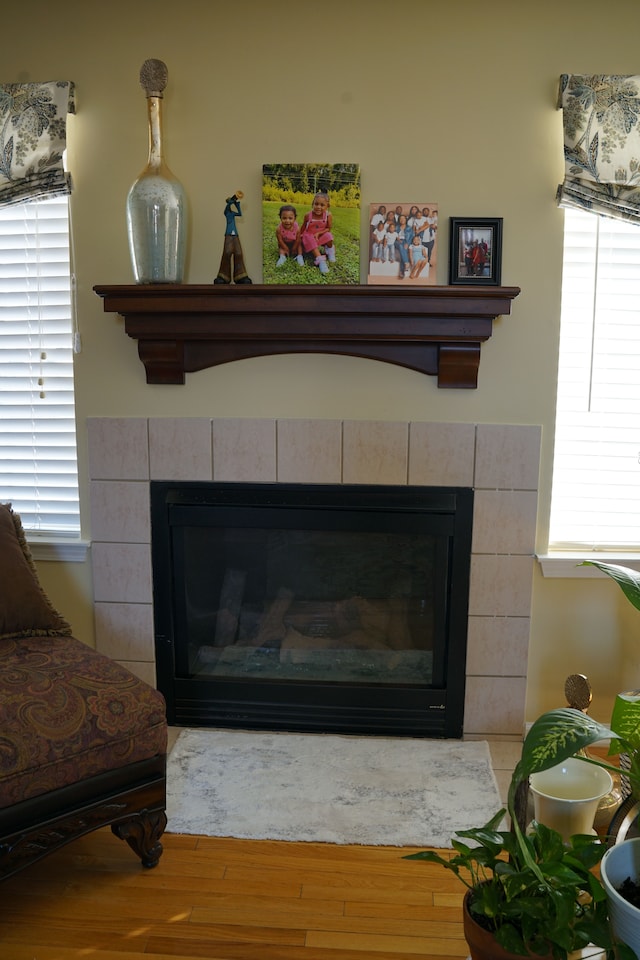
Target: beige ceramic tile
{"x": 121, "y": 572}
{"x": 244, "y": 451}
{"x": 505, "y": 754}
{"x": 145, "y": 671}
{"x": 500, "y": 586}
{"x": 309, "y": 451}
{"x": 504, "y": 521}
{"x": 503, "y": 779}
{"x": 375, "y": 451}
{"x": 494, "y": 705}
{"x": 118, "y": 448}
{"x": 124, "y": 631}
{"x": 507, "y": 456}
{"x": 497, "y": 646}
{"x": 180, "y": 448}
{"x": 441, "y": 454}
{"x": 120, "y": 511}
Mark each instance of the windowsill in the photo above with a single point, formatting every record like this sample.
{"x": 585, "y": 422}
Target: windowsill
{"x": 565, "y": 564}
{"x": 68, "y": 551}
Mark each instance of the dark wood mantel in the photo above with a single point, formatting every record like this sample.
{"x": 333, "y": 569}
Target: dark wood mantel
{"x": 182, "y": 328}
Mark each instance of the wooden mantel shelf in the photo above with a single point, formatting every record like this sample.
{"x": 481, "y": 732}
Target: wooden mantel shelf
{"x": 182, "y": 328}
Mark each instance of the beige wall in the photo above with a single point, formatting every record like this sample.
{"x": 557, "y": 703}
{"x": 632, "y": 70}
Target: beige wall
{"x": 448, "y": 102}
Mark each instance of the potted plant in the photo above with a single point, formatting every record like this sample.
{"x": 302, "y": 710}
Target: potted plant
{"x": 625, "y": 718}
{"x": 620, "y": 869}
{"x": 530, "y": 894}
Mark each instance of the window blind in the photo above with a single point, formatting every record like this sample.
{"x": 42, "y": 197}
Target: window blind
{"x": 38, "y": 465}
{"x": 596, "y": 473}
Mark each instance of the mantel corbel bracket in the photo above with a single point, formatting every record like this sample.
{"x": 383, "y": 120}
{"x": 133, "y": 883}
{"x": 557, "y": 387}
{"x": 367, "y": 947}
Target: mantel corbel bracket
{"x": 183, "y": 328}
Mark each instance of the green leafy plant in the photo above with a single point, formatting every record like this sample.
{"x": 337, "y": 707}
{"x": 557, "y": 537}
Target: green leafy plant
{"x": 625, "y": 718}
{"x": 535, "y": 894}
{"x": 564, "y": 912}
{"x": 627, "y": 579}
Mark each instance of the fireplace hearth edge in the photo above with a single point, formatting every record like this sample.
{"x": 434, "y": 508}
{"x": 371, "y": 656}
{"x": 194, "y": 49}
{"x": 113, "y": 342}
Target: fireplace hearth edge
{"x": 429, "y": 707}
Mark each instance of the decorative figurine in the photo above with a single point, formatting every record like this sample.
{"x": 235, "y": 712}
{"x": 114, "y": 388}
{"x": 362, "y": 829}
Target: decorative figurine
{"x": 577, "y": 690}
{"x": 232, "y": 248}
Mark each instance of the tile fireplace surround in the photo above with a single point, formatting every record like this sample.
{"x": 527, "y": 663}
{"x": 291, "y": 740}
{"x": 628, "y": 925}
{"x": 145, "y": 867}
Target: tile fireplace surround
{"x": 500, "y": 461}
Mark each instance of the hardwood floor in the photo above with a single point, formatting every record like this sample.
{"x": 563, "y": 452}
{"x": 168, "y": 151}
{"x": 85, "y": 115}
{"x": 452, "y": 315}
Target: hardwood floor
{"x": 235, "y": 900}
{"x": 227, "y": 899}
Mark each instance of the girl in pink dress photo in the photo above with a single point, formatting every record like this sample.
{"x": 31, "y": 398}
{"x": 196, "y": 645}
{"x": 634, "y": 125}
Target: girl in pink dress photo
{"x": 288, "y": 236}
{"x": 316, "y": 233}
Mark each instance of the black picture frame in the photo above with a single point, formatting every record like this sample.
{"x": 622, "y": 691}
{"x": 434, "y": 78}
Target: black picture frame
{"x": 482, "y": 238}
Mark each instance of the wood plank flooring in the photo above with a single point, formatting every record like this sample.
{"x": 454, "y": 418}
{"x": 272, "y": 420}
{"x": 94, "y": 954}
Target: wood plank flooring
{"x": 225, "y": 899}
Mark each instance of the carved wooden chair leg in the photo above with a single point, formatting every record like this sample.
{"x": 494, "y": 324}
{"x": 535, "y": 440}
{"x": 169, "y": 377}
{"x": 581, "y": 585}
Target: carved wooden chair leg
{"x": 143, "y": 833}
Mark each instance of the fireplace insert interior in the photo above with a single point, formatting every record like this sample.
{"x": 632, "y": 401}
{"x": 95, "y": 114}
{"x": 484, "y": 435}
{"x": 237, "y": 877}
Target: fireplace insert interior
{"x": 312, "y": 607}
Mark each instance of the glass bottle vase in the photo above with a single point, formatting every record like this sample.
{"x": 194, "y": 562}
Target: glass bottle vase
{"x": 156, "y": 213}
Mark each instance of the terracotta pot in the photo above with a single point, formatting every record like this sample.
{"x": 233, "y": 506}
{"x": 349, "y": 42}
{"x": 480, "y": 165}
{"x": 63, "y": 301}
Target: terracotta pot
{"x": 482, "y": 944}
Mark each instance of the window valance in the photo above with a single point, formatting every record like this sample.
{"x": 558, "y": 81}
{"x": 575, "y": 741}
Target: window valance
{"x": 33, "y": 137}
{"x": 601, "y": 120}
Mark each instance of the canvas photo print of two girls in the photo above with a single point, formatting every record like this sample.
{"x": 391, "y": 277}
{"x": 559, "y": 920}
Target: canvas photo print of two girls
{"x": 403, "y": 243}
{"x": 311, "y": 223}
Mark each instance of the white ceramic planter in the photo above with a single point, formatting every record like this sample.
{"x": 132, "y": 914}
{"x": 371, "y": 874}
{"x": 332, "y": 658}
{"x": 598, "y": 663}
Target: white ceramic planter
{"x": 566, "y": 797}
{"x": 619, "y": 862}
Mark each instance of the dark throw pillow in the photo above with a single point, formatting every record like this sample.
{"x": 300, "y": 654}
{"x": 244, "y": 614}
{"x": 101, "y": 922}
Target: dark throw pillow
{"x": 25, "y": 609}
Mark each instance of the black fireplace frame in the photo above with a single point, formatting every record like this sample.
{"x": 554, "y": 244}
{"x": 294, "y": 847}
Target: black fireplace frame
{"x": 300, "y": 706}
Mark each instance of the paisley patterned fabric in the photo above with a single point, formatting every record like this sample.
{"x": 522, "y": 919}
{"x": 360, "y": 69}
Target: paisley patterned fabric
{"x": 68, "y": 713}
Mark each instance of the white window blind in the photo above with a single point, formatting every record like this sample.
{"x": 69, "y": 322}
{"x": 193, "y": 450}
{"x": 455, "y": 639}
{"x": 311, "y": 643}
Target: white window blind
{"x": 596, "y": 474}
{"x": 38, "y": 465}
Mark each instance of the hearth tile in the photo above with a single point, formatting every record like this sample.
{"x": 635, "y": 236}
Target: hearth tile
{"x": 505, "y": 754}
{"x": 497, "y": 646}
{"x": 503, "y": 779}
{"x": 494, "y": 705}
{"x": 504, "y": 521}
{"x": 500, "y": 586}
{"x": 121, "y": 572}
{"x": 118, "y": 448}
{"x": 124, "y": 631}
{"x": 309, "y": 451}
{"x": 180, "y": 448}
{"x": 507, "y": 456}
{"x": 441, "y": 454}
{"x": 244, "y": 451}
{"x": 120, "y": 511}
{"x": 145, "y": 671}
{"x": 375, "y": 451}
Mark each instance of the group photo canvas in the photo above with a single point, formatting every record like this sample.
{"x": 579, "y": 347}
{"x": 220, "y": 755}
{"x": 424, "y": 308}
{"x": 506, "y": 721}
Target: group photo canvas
{"x": 311, "y": 223}
{"x": 403, "y": 243}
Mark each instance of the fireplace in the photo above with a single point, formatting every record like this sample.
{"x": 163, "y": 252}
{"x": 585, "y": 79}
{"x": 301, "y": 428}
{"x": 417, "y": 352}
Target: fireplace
{"x": 312, "y": 607}
{"x": 500, "y": 462}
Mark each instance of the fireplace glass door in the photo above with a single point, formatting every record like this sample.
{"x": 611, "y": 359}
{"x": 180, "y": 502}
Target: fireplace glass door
{"x": 311, "y": 606}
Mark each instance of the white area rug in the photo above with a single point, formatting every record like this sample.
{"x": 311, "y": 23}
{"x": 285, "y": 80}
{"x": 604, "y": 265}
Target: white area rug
{"x": 331, "y": 789}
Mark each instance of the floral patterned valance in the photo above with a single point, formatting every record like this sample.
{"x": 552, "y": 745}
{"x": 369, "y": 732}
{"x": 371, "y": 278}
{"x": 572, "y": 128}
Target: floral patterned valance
{"x": 33, "y": 136}
{"x": 601, "y": 119}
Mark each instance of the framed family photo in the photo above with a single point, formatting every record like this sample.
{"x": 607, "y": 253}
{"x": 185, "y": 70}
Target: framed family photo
{"x": 475, "y": 250}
